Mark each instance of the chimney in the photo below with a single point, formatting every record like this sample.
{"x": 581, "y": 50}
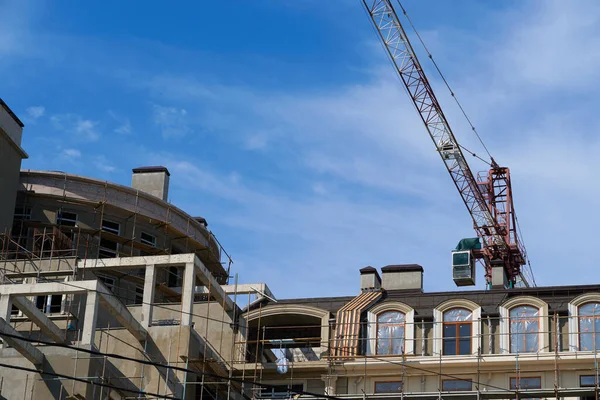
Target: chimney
{"x": 152, "y": 180}
{"x": 402, "y": 277}
{"x": 369, "y": 279}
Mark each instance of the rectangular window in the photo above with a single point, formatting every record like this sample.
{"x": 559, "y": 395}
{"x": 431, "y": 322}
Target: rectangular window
{"x": 388, "y": 387}
{"x": 175, "y": 277}
{"x": 452, "y": 385}
{"x": 14, "y": 310}
{"x": 108, "y": 248}
{"x": 54, "y": 306}
{"x": 281, "y": 391}
{"x": 587, "y": 381}
{"x": 22, "y": 212}
{"x": 112, "y": 227}
{"x": 66, "y": 218}
{"x": 139, "y": 295}
{"x": 108, "y": 281}
{"x": 457, "y": 338}
{"x": 40, "y": 303}
{"x": 148, "y": 239}
{"x": 526, "y": 383}
{"x": 55, "y": 303}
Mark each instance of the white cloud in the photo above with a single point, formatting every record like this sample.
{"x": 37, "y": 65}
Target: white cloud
{"x": 36, "y": 112}
{"x": 172, "y": 121}
{"x": 399, "y": 204}
{"x": 76, "y": 126}
{"x": 124, "y": 124}
{"x": 103, "y": 164}
{"x": 552, "y": 45}
{"x": 124, "y": 128}
{"x": 257, "y": 141}
{"x": 71, "y": 153}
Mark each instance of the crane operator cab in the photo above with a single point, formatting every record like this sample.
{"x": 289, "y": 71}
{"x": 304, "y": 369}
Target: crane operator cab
{"x": 463, "y": 262}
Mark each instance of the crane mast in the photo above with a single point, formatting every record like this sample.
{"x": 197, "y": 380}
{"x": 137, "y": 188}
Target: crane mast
{"x": 489, "y": 199}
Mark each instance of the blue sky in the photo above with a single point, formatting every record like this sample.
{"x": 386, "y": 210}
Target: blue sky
{"x": 283, "y": 124}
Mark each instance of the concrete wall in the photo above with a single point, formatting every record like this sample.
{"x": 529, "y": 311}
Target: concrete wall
{"x": 10, "y": 164}
{"x": 29, "y": 386}
{"x": 154, "y": 183}
{"x": 402, "y": 280}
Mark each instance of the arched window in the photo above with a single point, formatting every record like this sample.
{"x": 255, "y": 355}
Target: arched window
{"x": 457, "y": 331}
{"x": 589, "y": 326}
{"x": 390, "y": 332}
{"x": 524, "y": 329}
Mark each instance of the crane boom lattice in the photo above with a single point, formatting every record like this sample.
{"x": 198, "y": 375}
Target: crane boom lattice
{"x": 489, "y": 202}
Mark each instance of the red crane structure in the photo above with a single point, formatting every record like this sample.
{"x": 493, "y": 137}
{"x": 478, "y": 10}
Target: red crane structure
{"x": 488, "y": 199}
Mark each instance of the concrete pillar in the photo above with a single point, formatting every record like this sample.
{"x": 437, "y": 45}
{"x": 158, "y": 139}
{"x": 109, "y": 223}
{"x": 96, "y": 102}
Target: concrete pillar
{"x": 89, "y": 319}
{"x": 330, "y": 382}
{"x": 149, "y": 284}
{"x": 5, "y": 308}
{"x": 187, "y": 294}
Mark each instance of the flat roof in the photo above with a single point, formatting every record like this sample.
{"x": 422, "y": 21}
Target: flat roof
{"x": 11, "y": 113}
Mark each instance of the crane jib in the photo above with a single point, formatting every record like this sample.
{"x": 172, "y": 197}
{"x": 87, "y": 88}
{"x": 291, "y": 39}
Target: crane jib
{"x": 486, "y": 208}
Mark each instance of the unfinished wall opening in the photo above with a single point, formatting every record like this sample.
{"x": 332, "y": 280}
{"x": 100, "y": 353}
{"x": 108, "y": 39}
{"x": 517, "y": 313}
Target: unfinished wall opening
{"x": 296, "y": 337}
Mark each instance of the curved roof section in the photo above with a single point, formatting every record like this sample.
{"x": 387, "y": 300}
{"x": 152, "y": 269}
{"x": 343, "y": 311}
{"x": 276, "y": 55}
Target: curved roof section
{"x": 83, "y": 189}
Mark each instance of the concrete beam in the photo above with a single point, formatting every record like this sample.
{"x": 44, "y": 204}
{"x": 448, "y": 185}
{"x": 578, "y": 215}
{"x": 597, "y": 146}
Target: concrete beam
{"x": 120, "y": 312}
{"x": 243, "y": 288}
{"x": 39, "y": 318}
{"x": 208, "y": 280}
{"x": 26, "y": 349}
{"x": 138, "y": 262}
{"x": 41, "y": 289}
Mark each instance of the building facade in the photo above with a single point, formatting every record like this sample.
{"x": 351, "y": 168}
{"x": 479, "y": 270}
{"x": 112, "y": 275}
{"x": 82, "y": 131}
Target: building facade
{"x": 395, "y": 340}
{"x": 112, "y": 292}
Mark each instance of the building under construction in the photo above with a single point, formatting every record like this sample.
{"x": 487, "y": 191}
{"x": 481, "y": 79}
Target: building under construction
{"x": 111, "y": 292}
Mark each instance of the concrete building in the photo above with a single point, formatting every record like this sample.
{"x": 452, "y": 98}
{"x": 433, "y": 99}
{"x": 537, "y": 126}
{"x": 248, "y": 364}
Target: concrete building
{"x": 394, "y": 340}
{"x": 111, "y": 292}
{"x": 11, "y": 154}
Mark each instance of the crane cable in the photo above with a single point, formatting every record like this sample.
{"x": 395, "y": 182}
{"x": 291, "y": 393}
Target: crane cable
{"x": 409, "y": 95}
{"x": 447, "y": 85}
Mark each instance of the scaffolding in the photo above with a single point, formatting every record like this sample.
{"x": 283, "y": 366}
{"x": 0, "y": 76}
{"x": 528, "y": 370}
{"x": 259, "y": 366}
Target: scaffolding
{"x": 496, "y": 366}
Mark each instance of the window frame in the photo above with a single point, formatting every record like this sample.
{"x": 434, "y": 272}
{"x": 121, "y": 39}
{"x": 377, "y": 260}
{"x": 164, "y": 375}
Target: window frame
{"x": 595, "y": 335}
{"x": 139, "y": 294}
{"x": 146, "y": 241}
{"x": 438, "y": 320}
{"x": 543, "y": 325}
{"x": 518, "y": 380}
{"x": 457, "y": 380}
{"x": 25, "y": 213}
{"x": 409, "y": 327}
{"x": 375, "y": 391}
{"x": 574, "y": 332}
{"x": 60, "y": 218}
{"x": 391, "y": 339}
{"x": 104, "y": 277}
{"x": 109, "y": 229}
{"x": 457, "y": 337}
{"x": 596, "y": 379}
{"x": 537, "y": 319}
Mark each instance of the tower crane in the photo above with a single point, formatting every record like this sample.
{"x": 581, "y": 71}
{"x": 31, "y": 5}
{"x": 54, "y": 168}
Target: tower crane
{"x": 487, "y": 198}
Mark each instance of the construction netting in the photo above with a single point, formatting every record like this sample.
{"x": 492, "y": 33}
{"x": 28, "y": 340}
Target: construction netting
{"x": 524, "y": 329}
{"x": 589, "y": 326}
{"x": 468, "y": 244}
{"x": 458, "y": 315}
{"x": 390, "y": 332}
